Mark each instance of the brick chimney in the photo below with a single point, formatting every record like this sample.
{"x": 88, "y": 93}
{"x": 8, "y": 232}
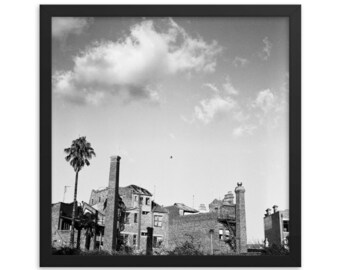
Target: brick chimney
{"x": 241, "y": 228}
{"x": 111, "y": 210}
{"x": 275, "y": 207}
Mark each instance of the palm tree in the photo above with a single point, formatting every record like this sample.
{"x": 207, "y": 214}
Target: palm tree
{"x": 78, "y": 155}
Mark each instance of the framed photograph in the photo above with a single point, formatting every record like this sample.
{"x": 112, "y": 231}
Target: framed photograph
{"x": 170, "y": 135}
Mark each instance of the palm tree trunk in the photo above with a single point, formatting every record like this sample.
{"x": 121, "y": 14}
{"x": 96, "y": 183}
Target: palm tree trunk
{"x": 74, "y": 211}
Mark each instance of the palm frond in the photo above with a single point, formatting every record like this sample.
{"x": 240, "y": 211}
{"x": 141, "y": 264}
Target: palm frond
{"x": 79, "y": 153}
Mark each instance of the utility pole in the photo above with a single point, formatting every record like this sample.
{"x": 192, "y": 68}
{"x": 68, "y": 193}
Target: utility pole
{"x": 154, "y": 193}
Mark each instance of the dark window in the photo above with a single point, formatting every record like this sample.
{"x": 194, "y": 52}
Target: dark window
{"x": 158, "y": 221}
{"x": 65, "y": 225}
{"x": 127, "y": 218}
{"x": 135, "y": 218}
{"x": 141, "y": 200}
{"x": 136, "y": 199}
{"x": 157, "y": 241}
{"x": 125, "y": 238}
{"x": 144, "y": 234}
{"x": 134, "y": 240}
{"x": 147, "y": 201}
{"x": 286, "y": 225}
{"x": 145, "y": 212}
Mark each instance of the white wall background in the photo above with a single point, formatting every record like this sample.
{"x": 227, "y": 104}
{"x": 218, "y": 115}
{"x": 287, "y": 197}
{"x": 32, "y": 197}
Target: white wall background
{"x": 19, "y": 96}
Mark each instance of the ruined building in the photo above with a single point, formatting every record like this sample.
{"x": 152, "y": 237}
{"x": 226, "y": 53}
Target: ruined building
{"x": 125, "y": 214}
{"x": 221, "y": 230}
{"x": 120, "y": 214}
{"x": 276, "y": 227}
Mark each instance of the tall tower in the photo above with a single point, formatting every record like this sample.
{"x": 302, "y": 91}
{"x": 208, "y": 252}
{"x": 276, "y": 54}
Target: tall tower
{"x": 241, "y": 229}
{"x": 111, "y": 210}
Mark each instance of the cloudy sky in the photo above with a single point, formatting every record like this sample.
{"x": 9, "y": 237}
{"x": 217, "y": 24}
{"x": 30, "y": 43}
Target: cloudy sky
{"x": 210, "y": 92}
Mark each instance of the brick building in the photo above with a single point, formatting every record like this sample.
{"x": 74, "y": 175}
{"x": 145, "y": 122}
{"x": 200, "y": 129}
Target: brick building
{"x": 140, "y": 212}
{"x": 123, "y": 214}
{"x": 276, "y": 227}
{"x": 221, "y": 230}
{"x": 61, "y": 224}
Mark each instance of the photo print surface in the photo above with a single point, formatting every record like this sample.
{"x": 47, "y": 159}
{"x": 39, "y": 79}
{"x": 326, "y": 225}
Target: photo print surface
{"x": 170, "y": 136}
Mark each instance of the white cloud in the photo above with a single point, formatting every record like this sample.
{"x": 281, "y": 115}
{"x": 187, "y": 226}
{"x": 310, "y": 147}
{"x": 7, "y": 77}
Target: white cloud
{"x": 134, "y": 65}
{"x": 266, "y": 51}
{"x": 209, "y": 108}
{"x": 220, "y": 103}
{"x": 265, "y": 111}
{"x": 64, "y": 26}
{"x": 229, "y": 88}
{"x": 240, "y": 62}
{"x": 244, "y": 130}
{"x": 265, "y": 100}
{"x": 212, "y": 87}
{"x": 241, "y": 116}
{"x": 271, "y": 106}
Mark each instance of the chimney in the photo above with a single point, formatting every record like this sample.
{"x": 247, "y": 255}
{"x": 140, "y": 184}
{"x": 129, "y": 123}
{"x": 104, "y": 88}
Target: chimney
{"x": 275, "y": 207}
{"x": 228, "y": 198}
{"x": 241, "y": 228}
{"x": 111, "y": 210}
{"x": 268, "y": 212}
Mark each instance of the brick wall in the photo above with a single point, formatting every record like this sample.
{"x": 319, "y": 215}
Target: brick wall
{"x": 125, "y": 193}
{"x": 147, "y": 220}
{"x": 62, "y": 237}
{"x": 55, "y": 219}
{"x": 98, "y": 196}
{"x": 198, "y": 226}
{"x": 273, "y": 227}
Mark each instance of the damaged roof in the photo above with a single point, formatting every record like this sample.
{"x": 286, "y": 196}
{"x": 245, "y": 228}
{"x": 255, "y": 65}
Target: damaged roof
{"x": 157, "y": 208}
{"x": 136, "y": 190}
{"x": 139, "y": 190}
{"x": 185, "y": 208}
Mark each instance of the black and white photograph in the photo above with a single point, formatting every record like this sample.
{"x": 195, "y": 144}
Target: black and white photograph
{"x": 166, "y": 134}
{"x": 170, "y": 136}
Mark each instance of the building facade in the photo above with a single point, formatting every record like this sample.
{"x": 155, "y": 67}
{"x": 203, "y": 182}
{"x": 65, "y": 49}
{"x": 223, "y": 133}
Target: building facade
{"x": 140, "y": 213}
{"x": 219, "y": 231}
{"x": 123, "y": 215}
{"x": 276, "y": 227}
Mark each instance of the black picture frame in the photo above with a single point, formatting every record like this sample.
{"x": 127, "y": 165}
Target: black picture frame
{"x": 293, "y": 12}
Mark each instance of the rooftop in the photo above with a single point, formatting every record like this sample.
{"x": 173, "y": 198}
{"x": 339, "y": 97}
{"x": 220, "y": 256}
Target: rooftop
{"x": 185, "y": 208}
{"x": 136, "y": 190}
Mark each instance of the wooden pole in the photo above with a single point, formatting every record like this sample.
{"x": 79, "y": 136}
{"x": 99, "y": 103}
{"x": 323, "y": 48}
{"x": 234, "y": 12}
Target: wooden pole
{"x": 100, "y": 238}
{"x": 139, "y": 222}
{"x": 149, "y": 241}
{"x": 95, "y": 231}
{"x": 211, "y": 242}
